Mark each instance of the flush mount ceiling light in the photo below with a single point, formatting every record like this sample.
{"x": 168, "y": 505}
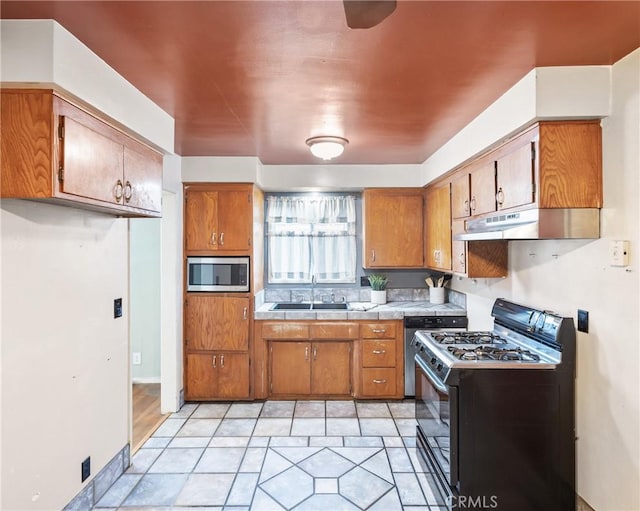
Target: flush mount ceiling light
{"x": 326, "y": 147}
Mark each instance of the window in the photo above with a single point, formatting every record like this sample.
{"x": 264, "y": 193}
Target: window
{"x": 311, "y": 237}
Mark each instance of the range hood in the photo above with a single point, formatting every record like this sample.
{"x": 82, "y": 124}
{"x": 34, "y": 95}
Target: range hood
{"x": 534, "y": 224}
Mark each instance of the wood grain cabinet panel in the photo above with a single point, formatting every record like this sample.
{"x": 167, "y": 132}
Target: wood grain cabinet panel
{"x": 331, "y": 368}
{"x": 377, "y": 353}
{"x": 290, "y": 368}
{"x": 218, "y": 218}
{"x": 515, "y": 177}
{"x": 218, "y": 375}
{"x": 378, "y": 382}
{"x": 438, "y": 239}
{"x": 393, "y": 228}
{"x": 217, "y": 323}
{"x": 381, "y": 360}
{"x": 55, "y": 150}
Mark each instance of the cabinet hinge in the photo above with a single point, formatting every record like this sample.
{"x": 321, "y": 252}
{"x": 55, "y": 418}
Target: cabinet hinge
{"x": 249, "y": 241}
{"x": 61, "y": 173}
{"x": 61, "y": 130}
{"x": 533, "y": 151}
{"x": 249, "y": 198}
{"x": 533, "y": 188}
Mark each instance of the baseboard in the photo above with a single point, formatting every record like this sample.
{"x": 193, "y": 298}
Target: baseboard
{"x": 146, "y": 379}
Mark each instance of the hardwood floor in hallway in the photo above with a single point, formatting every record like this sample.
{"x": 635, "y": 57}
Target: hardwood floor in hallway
{"x": 146, "y": 412}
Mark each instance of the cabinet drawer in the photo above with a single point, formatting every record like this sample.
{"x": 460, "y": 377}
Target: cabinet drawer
{"x": 379, "y": 382}
{"x": 378, "y": 330}
{"x": 379, "y": 353}
{"x": 285, "y": 330}
{"x": 333, "y": 331}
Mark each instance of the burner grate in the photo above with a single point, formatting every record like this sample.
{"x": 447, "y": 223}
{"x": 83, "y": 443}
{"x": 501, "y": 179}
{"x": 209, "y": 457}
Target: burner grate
{"x": 492, "y": 353}
{"x": 468, "y": 338}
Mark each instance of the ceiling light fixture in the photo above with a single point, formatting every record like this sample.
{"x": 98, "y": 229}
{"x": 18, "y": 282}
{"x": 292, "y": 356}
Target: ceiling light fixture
{"x": 326, "y": 147}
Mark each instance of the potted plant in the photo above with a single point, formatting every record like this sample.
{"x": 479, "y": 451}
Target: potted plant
{"x": 378, "y": 284}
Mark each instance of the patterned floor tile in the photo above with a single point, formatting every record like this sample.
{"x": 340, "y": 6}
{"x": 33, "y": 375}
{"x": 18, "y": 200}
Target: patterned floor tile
{"x": 389, "y": 502}
{"x": 308, "y": 427}
{"x": 362, "y": 487}
{"x": 342, "y": 427}
{"x": 289, "y": 441}
{"x": 399, "y": 459}
{"x": 169, "y": 427}
{"x": 409, "y": 489}
{"x": 326, "y": 441}
{"x": 273, "y": 465}
{"x": 272, "y": 427}
{"x": 297, "y": 454}
{"x": 406, "y": 427}
{"x": 176, "y": 461}
{"x": 210, "y": 411}
{"x": 403, "y": 409}
{"x": 379, "y": 465}
{"x": 326, "y": 485}
{"x": 375, "y": 427}
{"x": 142, "y": 460}
{"x": 356, "y": 455}
{"x": 243, "y": 489}
{"x": 393, "y": 441}
{"x": 205, "y": 490}
{"x": 220, "y": 460}
{"x": 236, "y": 427}
{"x": 185, "y": 412}
{"x": 119, "y": 490}
{"x": 376, "y": 410}
{"x": 430, "y": 489}
{"x": 189, "y": 441}
{"x": 156, "y": 490}
{"x": 326, "y": 464}
{"x": 253, "y": 459}
{"x": 363, "y": 441}
{"x": 344, "y": 409}
{"x": 326, "y": 503}
{"x": 229, "y": 441}
{"x": 156, "y": 442}
{"x": 278, "y": 409}
{"x": 263, "y": 502}
{"x": 199, "y": 427}
{"x": 244, "y": 410}
{"x": 290, "y": 487}
{"x": 309, "y": 409}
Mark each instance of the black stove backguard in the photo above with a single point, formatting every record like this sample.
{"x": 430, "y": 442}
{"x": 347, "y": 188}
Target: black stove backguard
{"x": 511, "y": 431}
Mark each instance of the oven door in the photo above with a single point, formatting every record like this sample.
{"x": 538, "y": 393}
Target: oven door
{"x": 437, "y": 431}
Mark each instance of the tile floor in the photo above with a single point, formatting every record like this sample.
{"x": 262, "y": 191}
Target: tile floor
{"x": 303, "y": 455}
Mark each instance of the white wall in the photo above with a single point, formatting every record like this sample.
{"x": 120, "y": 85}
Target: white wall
{"x": 144, "y": 286}
{"x": 65, "y": 359}
{"x": 571, "y": 274}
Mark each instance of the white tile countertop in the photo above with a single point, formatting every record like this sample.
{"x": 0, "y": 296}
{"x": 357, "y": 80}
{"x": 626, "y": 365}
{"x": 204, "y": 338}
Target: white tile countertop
{"x": 364, "y": 310}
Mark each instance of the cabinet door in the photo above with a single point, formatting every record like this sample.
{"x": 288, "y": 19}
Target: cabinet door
{"x": 200, "y": 376}
{"x": 143, "y": 178}
{"x": 459, "y": 257}
{"x": 439, "y": 228}
{"x": 393, "y": 229}
{"x": 235, "y": 220}
{"x": 92, "y": 162}
{"x": 290, "y": 367}
{"x": 217, "y": 323}
{"x": 233, "y": 375}
{"x": 483, "y": 189}
{"x": 460, "y": 192}
{"x": 331, "y": 368}
{"x": 201, "y": 220}
{"x": 515, "y": 177}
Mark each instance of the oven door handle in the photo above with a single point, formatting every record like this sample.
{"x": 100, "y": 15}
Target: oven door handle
{"x": 435, "y": 381}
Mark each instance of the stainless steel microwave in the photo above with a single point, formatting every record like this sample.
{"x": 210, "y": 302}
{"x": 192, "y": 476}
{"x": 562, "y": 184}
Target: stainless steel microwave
{"x": 218, "y": 274}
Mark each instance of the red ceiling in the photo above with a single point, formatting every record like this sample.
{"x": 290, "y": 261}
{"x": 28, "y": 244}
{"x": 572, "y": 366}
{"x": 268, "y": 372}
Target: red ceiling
{"x": 257, "y": 78}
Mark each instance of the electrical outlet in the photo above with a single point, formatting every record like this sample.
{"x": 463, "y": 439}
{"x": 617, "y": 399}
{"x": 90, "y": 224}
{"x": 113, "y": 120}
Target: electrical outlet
{"x": 583, "y": 321}
{"x": 137, "y": 358}
{"x": 117, "y": 308}
{"x": 364, "y": 282}
{"x": 85, "y": 468}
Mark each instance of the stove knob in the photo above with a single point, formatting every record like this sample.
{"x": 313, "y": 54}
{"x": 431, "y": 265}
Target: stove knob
{"x": 439, "y": 368}
{"x": 433, "y": 360}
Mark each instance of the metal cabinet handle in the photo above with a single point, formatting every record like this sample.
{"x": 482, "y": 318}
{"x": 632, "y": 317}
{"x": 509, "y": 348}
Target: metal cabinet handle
{"x": 244, "y": 313}
{"x": 118, "y": 190}
{"x": 128, "y": 191}
{"x": 473, "y": 204}
{"x": 315, "y": 352}
{"x": 221, "y": 238}
{"x": 379, "y": 352}
{"x": 378, "y": 330}
{"x": 500, "y": 197}
{"x": 379, "y": 381}
{"x": 373, "y": 256}
{"x": 214, "y": 360}
{"x": 466, "y": 205}
{"x": 221, "y": 360}
{"x": 462, "y": 259}
{"x": 306, "y": 353}
{"x": 214, "y": 238}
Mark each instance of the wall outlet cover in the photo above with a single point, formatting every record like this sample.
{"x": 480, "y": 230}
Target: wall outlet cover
{"x": 136, "y": 358}
{"x": 583, "y": 321}
{"x": 117, "y": 308}
{"x": 85, "y": 469}
{"x": 364, "y": 282}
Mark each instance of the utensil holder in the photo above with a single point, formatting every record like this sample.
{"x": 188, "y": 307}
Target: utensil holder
{"x": 436, "y": 295}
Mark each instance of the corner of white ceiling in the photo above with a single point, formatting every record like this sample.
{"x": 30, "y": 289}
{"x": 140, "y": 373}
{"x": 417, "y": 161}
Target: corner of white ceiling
{"x": 569, "y": 92}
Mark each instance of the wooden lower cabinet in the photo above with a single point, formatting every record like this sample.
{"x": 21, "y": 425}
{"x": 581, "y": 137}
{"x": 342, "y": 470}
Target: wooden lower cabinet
{"x": 321, "y": 368}
{"x": 361, "y": 359}
{"x": 220, "y": 374}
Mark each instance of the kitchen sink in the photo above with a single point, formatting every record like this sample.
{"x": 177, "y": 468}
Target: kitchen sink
{"x": 294, "y": 306}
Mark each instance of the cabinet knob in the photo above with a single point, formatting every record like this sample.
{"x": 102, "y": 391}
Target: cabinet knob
{"x": 379, "y": 352}
{"x": 473, "y": 204}
{"x": 221, "y": 360}
{"x": 379, "y": 381}
{"x": 214, "y": 360}
{"x": 462, "y": 259}
{"x": 214, "y": 238}
{"x": 221, "y": 238}
{"x": 315, "y": 352}
{"x": 373, "y": 256}
{"x": 128, "y": 191}
{"x": 244, "y": 313}
{"x": 306, "y": 353}
{"x": 118, "y": 190}
{"x": 466, "y": 205}
{"x": 500, "y": 197}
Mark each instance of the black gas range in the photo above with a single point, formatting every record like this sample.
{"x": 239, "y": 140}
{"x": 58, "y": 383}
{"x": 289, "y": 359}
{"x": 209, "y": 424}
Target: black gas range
{"x": 495, "y": 411}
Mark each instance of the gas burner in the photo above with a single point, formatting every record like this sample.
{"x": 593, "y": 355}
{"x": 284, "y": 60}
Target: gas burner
{"x": 491, "y": 353}
{"x": 468, "y": 338}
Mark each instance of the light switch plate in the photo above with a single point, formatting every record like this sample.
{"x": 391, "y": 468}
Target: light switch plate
{"x": 619, "y": 253}
{"x": 136, "y": 358}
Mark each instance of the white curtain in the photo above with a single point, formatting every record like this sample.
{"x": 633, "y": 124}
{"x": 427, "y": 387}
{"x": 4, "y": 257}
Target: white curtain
{"x": 311, "y": 237}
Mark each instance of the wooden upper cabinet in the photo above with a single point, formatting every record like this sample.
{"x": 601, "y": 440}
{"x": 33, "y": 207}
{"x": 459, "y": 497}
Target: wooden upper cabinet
{"x": 483, "y": 188}
{"x": 393, "y": 228}
{"x": 515, "y": 176}
{"x": 218, "y": 218}
{"x": 55, "y": 150}
{"x": 216, "y": 323}
{"x": 461, "y": 195}
{"x": 438, "y": 239}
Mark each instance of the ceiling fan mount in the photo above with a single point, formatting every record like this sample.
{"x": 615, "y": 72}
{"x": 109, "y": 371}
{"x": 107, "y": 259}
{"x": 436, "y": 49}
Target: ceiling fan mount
{"x": 367, "y": 13}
